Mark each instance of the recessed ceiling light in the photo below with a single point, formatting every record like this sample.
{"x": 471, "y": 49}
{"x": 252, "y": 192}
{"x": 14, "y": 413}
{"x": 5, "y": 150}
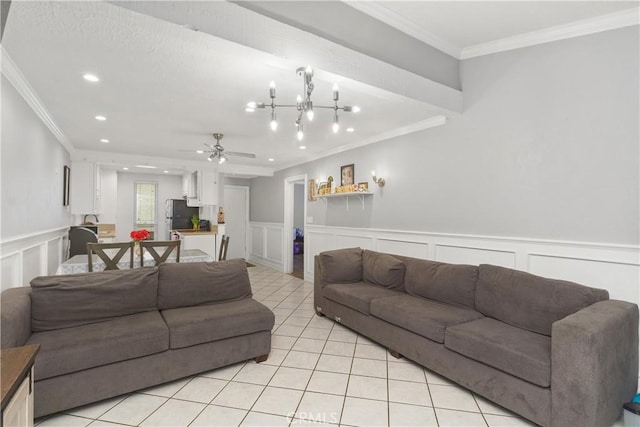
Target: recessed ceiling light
{"x": 165, "y": 171}
{"x": 106, "y": 141}
{"x": 126, "y": 169}
{"x": 350, "y": 130}
{"x": 271, "y": 159}
{"x": 303, "y": 147}
{"x": 91, "y": 78}
{"x": 101, "y": 118}
{"x": 146, "y": 167}
{"x": 199, "y": 151}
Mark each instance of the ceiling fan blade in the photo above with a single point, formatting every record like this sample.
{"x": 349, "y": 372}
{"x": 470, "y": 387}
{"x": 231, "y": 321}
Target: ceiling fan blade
{"x": 233, "y": 153}
{"x": 190, "y": 151}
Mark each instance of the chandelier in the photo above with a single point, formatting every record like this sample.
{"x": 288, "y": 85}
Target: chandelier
{"x": 304, "y": 105}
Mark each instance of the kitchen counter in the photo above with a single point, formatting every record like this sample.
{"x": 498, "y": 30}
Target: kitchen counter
{"x": 204, "y": 240}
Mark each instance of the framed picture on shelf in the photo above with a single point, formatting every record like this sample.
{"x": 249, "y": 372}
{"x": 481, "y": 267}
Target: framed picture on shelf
{"x": 312, "y": 190}
{"x": 346, "y": 175}
{"x": 363, "y": 186}
{"x": 66, "y": 183}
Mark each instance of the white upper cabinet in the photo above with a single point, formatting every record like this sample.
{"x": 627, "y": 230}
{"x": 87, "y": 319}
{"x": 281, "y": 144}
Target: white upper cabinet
{"x": 202, "y": 188}
{"x": 85, "y": 188}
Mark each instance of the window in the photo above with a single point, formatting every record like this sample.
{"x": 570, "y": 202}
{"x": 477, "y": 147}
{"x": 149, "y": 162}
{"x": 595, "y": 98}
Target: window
{"x": 146, "y": 206}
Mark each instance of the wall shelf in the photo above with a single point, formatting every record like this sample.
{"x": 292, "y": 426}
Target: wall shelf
{"x": 359, "y": 194}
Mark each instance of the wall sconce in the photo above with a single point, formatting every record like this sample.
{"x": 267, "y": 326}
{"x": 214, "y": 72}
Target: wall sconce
{"x": 379, "y": 181}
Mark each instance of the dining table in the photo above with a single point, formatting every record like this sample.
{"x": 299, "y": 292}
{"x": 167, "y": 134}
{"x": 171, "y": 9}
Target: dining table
{"x": 80, "y": 263}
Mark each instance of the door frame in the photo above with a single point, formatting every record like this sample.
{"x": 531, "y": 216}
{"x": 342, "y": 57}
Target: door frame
{"x": 287, "y": 235}
{"x": 247, "y": 200}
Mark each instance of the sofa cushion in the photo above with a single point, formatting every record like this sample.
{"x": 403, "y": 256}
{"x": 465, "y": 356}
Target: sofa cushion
{"x": 341, "y": 265}
{"x": 521, "y": 353}
{"x": 195, "y": 283}
{"x": 78, "y": 299}
{"x": 383, "y": 270}
{"x": 357, "y": 296}
{"x": 449, "y": 283}
{"x": 424, "y": 317}
{"x": 82, "y": 347}
{"x": 205, "y": 323}
{"x": 530, "y": 302}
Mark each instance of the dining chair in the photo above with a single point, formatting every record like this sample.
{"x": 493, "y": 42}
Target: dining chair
{"x": 78, "y": 239}
{"x": 151, "y": 245}
{"x": 110, "y": 262}
{"x": 224, "y": 245}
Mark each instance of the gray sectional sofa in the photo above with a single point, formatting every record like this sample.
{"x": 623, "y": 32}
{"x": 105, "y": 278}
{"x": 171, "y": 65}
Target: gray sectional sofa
{"x": 109, "y": 333}
{"x": 555, "y": 352}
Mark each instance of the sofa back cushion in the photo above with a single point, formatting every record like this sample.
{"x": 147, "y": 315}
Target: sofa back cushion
{"x": 530, "y": 302}
{"x": 383, "y": 270}
{"x": 449, "y": 283}
{"x": 71, "y": 300}
{"x": 197, "y": 283}
{"x": 341, "y": 265}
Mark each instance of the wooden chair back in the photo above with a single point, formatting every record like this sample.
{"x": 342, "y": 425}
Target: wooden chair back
{"x": 151, "y": 245}
{"x": 224, "y": 245}
{"x": 110, "y": 262}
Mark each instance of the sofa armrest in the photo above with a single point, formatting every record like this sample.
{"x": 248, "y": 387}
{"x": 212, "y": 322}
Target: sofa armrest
{"x": 16, "y": 316}
{"x": 594, "y": 363}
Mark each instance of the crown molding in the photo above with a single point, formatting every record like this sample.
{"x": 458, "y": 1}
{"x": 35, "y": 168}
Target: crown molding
{"x": 391, "y": 18}
{"x": 11, "y": 71}
{"x": 611, "y": 21}
{"x": 431, "y": 122}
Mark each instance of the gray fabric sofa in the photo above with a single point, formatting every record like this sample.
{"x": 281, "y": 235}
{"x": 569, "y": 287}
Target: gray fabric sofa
{"x": 555, "y": 352}
{"x": 109, "y": 333}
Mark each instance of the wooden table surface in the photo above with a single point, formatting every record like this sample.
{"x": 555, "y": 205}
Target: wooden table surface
{"x": 14, "y": 364}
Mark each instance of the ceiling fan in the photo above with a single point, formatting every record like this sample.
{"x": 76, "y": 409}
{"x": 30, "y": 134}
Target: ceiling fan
{"x": 217, "y": 151}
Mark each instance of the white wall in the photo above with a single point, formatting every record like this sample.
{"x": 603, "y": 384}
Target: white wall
{"x": 169, "y": 187}
{"x": 33, "y": 222}
{"x": 298, "y": 206}
{"x": 109, "y": 196}
{"x": 32, "y": 167}
{"x": 547, "y": 148}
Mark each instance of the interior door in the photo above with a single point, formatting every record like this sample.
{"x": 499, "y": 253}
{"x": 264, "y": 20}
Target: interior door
{"x": 236, "y": 216}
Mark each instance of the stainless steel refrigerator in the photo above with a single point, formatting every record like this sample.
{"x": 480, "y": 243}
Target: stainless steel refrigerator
{"x": 178, "y": 215}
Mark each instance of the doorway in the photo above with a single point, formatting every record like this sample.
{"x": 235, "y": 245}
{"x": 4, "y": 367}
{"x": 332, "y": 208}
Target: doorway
{"x": 236, "y": 216}
{"x": 295, "y": 193}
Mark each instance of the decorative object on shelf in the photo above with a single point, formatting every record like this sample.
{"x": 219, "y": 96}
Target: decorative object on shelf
{"x": 220, "y": 215}
{"x": 379, "y": 181}
{"x": 303, "y": 105}
{"x": 330, "y": 188}
{"x": 363, "y": 186}
{"x": 312, "y": 191}
{"x": 322, "y": 189}
{"x": 346, "y": 175}
{"x": 137, "y": 236}
{"x": 66, "y": 182}
{"x": 195, "y": 222}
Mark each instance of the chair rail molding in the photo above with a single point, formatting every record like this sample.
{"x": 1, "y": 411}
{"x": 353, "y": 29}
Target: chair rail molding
{"x": 30, "y": 255}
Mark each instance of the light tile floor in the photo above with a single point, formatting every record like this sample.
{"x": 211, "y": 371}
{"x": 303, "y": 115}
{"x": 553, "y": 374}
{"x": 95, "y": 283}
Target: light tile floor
{"x": 318, "y": 374}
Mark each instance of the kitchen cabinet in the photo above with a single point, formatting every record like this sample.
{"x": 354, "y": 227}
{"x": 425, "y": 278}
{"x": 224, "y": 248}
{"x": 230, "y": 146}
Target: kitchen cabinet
{"x": 85, "y": 188}
{"x": 202, "y": 188}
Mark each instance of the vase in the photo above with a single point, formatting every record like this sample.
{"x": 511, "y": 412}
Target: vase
{"x": 138, "y": 250}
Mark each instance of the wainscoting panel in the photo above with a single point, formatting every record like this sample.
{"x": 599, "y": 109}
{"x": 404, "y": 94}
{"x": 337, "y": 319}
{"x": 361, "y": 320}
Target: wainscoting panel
{"x": 621, "y": 279}
{"x": 267, "y": 244}
{"x": 257, "y": 241}
{"x": 31, "y": 255}
{"x": 469, "y": 255}
{"x": 404, "y": 248}
{"x": 351, "y": 241}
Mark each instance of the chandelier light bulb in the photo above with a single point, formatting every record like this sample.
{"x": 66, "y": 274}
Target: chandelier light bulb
{"x": 252, "y": 105}
{"x": 221, "y": 160}
{"x": 272, "y": 85}
{"x": 298, "y": 99}
{"x": 335, "y": 127}
{"x": 309, "y": 70}
{"x": 355, "y": 109}
{"x": 274, "y": 125}
{"x": 310, "y": 114}
{"x": 300, "y": 134}
{"x": 335, "y": 92}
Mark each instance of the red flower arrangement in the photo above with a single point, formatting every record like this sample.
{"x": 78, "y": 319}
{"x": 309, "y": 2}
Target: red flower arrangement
{"x": 139, "y": 235}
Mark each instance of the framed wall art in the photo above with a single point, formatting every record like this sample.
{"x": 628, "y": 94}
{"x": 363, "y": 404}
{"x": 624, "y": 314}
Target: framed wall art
{"x": 66, "y": 184}
{"x": 346, "y": 175}
{"x": 312, "y": 190}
